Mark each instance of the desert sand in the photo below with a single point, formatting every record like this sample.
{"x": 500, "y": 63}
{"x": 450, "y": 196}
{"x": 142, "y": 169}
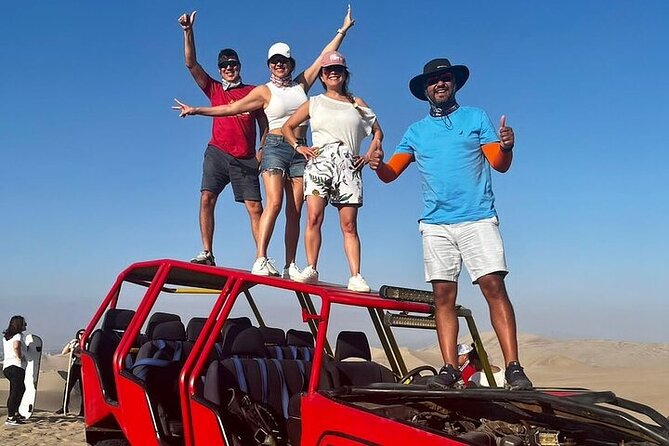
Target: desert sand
{"x": 635, "y": 371}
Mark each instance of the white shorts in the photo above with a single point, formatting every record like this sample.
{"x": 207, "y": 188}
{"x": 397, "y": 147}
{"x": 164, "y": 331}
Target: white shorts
{"x": 478, "y": 244}
{"x": 331, "y": 175}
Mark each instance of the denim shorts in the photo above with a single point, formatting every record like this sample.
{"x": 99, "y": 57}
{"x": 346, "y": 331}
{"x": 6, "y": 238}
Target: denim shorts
{"x": 478, "y": 244}
{"x": 220, "y": 168}
{"x": 277, "y": 154}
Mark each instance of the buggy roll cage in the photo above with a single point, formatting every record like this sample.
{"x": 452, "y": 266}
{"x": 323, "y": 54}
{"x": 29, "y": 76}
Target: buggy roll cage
{"x": 392, "y": 307}
{"x": 145, "y": 273}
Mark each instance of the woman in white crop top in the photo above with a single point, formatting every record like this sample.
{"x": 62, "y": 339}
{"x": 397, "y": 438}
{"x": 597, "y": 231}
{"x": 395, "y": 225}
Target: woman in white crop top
{"x": 339, "y": 123}
{"x": 281, "y": 167}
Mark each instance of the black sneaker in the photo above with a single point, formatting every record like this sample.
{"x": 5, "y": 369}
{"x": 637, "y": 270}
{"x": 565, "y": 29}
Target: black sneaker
{"x": 447, "y": 378}
{"x": 204, "y": 258}
{"x": 516, "y": 378}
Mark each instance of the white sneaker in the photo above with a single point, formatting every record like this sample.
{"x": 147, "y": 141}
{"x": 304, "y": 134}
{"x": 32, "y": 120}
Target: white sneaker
{"x": 204, "y": 258}
{"x": 272, "y": 269}
{"x": 263, "y": 267}
{"x": 308, "y": 275}
{"x": 291, "y": 272}
{"x": 13, "y": 421}
{"x": 357, "y": 283}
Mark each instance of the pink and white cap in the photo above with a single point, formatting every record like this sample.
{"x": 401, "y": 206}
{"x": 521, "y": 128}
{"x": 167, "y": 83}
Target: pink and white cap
{"x": 332, "y": 58}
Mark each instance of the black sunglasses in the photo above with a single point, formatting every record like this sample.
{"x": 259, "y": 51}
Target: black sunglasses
{"x": 339, "y": 69}
{"x": 228, "y": 64}
{"x": 279, "y": 59}
{"x": 446, "y": 77}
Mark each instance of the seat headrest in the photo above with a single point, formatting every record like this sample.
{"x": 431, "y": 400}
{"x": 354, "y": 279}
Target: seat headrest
{"x": 230, "y": 330}
{"x": 117, "y": 319}
{"x": 273, "y": 336}
{"x": 194, "y": 328}
{"x": 352, "y": 344}
{"x": 240, "y": 321}
{"x": 299, "y": 338}
{"x": 249, "y": 342}
{"x": 169, "y": 331}
{"x": 157, "y": 318}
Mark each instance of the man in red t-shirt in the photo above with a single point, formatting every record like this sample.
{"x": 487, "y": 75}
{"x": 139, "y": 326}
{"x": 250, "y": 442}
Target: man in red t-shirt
{"x": 230, "y": 156}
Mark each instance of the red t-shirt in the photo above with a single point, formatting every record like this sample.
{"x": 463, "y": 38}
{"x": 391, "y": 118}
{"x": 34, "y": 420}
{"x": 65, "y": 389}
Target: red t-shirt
{"x": 467, "y": 372}
{"x": 235, "y": 135}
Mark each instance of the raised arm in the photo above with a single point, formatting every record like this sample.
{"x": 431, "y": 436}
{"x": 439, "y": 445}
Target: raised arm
{"x": 201, "y": 77}
{"x": 500, "y": 154}
{"x": 288, "y": 130}
{"x": 68, "y": 348}
{"x": 255, "y": 100}
{"x": 309, "y": 76}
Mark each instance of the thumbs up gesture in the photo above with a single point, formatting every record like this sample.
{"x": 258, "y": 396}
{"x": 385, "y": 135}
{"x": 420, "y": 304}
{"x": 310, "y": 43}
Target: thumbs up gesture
{"x": 506, "y": 137}
{"x": 376, "y": 158}
{"x": 187, "y": 20}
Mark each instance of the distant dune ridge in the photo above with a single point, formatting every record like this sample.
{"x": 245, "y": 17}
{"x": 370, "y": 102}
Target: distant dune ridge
{"x": 634, "y": 371}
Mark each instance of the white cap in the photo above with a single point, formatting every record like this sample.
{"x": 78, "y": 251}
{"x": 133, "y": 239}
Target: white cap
{"x": 279, "y": 48}
{"x": 463, "y": 349}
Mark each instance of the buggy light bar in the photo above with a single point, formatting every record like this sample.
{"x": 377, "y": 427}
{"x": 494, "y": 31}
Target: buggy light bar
{"x": 406, "y": 294}
{"x": 407, "y": 321}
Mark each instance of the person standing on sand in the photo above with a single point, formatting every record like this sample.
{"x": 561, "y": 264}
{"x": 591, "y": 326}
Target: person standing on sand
{"x": 74, "y": 373}
{"x": 14, "y": 367}
{"x": 230, "y": 156}
{"x": 454, "y": 148}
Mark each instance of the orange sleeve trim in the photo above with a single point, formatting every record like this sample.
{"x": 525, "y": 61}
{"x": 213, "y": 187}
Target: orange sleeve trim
{"x": 389, "y": 171}
{"x": 498, "y": 159}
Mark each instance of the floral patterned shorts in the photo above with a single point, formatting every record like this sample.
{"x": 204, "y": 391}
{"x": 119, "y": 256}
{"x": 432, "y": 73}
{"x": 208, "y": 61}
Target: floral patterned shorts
{"x": 331, "y": 175}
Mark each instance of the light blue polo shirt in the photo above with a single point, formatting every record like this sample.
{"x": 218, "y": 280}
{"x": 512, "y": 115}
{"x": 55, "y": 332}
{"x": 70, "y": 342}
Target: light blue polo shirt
{"x": 456, "y": 179}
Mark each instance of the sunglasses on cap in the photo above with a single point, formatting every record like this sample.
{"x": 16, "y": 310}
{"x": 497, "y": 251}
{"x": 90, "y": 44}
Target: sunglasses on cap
{"x": 339, "y": 69}
{"x": 445, "y": 77}
{"x": 228, "y": 64}
{"x": 279, "y": 59}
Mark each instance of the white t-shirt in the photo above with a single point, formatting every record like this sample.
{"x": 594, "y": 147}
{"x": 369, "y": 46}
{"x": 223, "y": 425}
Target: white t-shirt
{"x": 10, "y": 354}
{"x": 337, "y": 121}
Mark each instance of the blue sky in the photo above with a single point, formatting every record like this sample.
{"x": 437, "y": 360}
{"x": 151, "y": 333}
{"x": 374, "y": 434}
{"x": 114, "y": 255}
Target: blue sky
{"x": 98, "y": 172}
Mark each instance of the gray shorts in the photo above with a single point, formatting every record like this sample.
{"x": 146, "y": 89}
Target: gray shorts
{"x": 478, "y": 244}
{"x": 220, "y": 168}
{"x": 277, "y": 154}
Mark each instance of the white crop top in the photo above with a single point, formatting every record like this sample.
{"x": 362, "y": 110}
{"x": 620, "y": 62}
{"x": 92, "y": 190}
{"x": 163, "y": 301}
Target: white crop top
{"x": 283, "y": 103}
{"x": 336, "y": 121}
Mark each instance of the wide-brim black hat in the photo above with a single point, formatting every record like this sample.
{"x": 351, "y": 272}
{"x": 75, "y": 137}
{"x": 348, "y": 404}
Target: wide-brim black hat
{"x": 417, "y": 84}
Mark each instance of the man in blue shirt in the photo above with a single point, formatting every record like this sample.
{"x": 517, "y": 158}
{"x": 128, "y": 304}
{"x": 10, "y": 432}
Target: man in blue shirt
{"x": 454, "y": 148}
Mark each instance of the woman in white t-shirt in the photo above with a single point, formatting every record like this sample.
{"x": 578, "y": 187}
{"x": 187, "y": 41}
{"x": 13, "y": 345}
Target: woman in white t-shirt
{"x": 339, "y": 123}
{"x": 14, "y": 366}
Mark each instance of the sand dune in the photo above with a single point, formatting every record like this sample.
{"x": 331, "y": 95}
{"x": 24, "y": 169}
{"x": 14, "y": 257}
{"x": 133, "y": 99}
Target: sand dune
{"x": 634, "y": 371}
